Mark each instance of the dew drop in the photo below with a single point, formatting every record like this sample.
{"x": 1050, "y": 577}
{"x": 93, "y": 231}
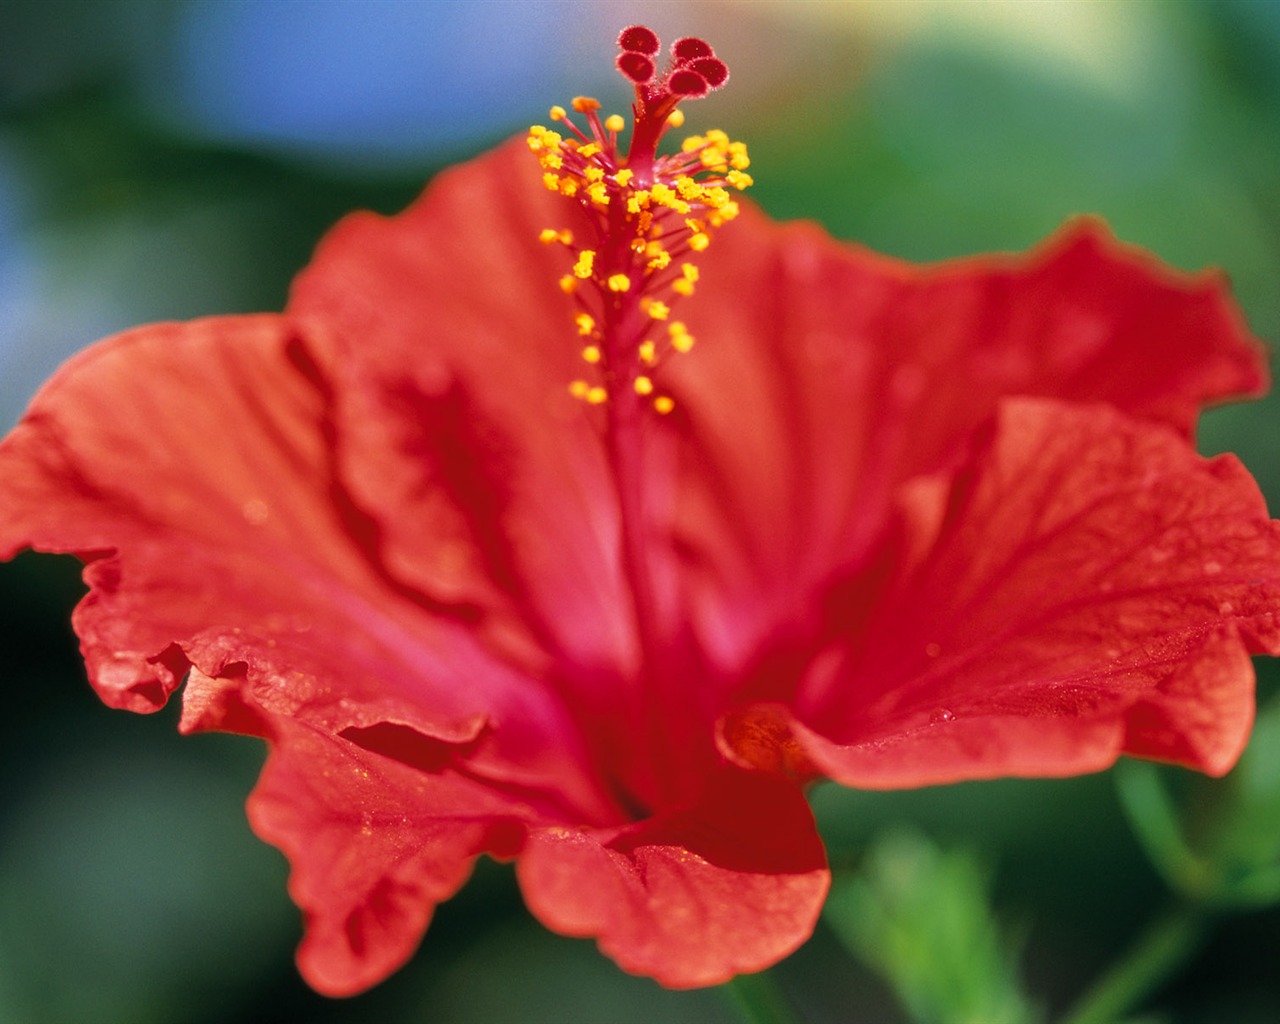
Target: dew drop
{"x": 932, "y": 650}
{"x": 1226, "y": 608}
{"x": 1212, "y": 568}
{"x": 939, "y": 715}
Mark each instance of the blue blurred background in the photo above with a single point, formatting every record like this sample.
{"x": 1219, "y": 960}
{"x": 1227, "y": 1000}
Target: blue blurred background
{"x": 169, "y": 160}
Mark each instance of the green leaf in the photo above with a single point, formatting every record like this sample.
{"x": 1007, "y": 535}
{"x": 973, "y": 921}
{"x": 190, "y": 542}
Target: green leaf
{"x": 921, "y": 917}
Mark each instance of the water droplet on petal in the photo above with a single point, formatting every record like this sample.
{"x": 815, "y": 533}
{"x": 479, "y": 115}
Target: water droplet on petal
{"x": 932, "y": 650}
{"x": 939, "y": 715}
{"x": 1212, "y": 568}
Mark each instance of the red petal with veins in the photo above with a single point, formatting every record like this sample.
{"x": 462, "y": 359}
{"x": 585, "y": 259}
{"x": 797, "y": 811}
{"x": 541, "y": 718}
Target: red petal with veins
{"x": 376, "y": 843}
{"x": 1087, "y": 587}
{"x": 455, "y": 421}
{"x": 693, "y": 896}
{"x": 217, "y": 535}
{"x": 835, "y": 374}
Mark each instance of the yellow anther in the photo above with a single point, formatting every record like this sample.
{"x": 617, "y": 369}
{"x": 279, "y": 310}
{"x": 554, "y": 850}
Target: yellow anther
{"x": 684, "y": 284}
{"x": 688, "y": 188}
{"x": 717, "y": 198}
{"x": 725, "y": 213}
{"x": 697, "y": 188}
{"x": 681, "y": 339}
{"x": 665, "y": 195}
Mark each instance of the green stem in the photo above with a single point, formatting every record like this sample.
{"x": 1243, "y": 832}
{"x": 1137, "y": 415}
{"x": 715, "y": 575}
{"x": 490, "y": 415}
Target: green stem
{"x": 1166, "y": 945}
{"x": 759, "y": 999}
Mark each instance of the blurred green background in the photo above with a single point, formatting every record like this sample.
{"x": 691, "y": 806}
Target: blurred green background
{"x": 170, "y": 160}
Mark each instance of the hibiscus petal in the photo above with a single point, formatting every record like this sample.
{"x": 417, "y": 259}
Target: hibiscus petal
{"x": 455, "y": 415}
{"x": 1088, "y": 587}
{"x": 831, "y": 373}
{"x": 216, "y": 535}
{"x": 374, "y": 843}
{"x": 827, "y": 342}
{"x": 691, "y": 897}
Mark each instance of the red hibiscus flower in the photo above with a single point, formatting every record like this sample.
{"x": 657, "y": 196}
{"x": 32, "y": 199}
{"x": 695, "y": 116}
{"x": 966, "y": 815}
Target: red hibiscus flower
{"x": 500, "y": 566}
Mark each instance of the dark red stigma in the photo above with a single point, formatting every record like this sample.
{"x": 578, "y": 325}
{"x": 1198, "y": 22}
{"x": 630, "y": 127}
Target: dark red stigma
{"x": 636, "y": 66}
{"x": 694, "y": 68}
{"x": 638, "y": 39}
{"x": 691, "y": 48}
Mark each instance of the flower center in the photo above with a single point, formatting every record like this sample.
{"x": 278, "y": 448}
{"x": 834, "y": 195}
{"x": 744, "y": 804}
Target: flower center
{"x": 649, "y": 215}
{"x": 646, "y": 218}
